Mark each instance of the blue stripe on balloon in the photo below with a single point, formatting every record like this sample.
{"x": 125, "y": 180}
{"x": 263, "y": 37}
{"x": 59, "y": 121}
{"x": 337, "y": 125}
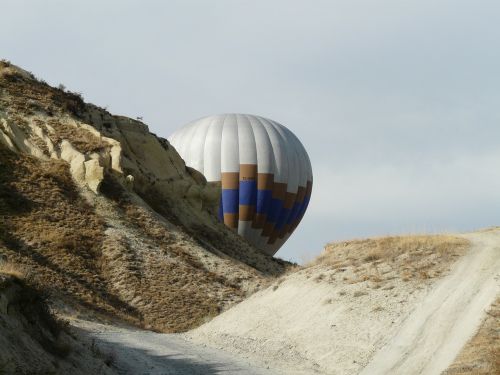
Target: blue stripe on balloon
{"x": 295, "y": 212}
{"x": 307, "y": 199}
{"x": 303, "y": 208}
{"x": 230, "y": 201}
{"x": 274, "y": 210}
{"x": 248, "y": 193}
{"x": 221, "y": 210}
{"x": 282, "y": 219}
{"x": 264, "y": 198}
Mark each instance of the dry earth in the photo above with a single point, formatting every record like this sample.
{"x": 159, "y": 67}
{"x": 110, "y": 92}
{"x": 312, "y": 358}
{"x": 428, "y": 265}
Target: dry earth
{"x": 330, "y": 319}
{"x": 33, "y": 340}
{"x": 481, "y": 355}
{"x": 136, "y": 351}
{"x": 106, "y": 217}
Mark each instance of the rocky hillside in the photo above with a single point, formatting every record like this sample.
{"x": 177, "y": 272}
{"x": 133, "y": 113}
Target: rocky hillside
{"x": 106, "y": 218}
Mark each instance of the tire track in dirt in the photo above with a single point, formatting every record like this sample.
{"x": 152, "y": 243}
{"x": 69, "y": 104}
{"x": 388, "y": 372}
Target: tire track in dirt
{"x": 435, "y": 332}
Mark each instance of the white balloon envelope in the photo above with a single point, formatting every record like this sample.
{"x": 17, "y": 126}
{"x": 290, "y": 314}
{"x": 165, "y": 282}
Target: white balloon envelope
{"x": 264, "y": 172}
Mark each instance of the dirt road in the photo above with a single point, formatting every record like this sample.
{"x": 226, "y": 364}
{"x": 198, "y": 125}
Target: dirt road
{"x": 336, "y": 327}
{"x": 433, "y": 335}
{"x": 306, "y": 326}
{"x": 140, "y": 352}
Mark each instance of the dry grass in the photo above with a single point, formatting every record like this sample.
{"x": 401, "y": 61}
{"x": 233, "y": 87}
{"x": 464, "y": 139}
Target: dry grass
{"x": 193, "y": 293}
{"x": 47, "y": 227}
{"x": 83, "y": 140}
{"x": 153, "y": 279}
{"x": 216, "y": 240}
{"x": 377, "y": 260}
{"x": 11, "y": 269}
{"x": 26, "y": 95}
{"x": 31, "y": 303}
{"x": 481, "y": 355}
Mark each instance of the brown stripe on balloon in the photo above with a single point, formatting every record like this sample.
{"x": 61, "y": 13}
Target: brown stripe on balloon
{"x": 268, "y": 229}
{"x": 272, "y": 239}
{"x": 289, "y": 200}
{"x": 231, "y": 220}
{"x": 248, "y": 172}
{"x": 301, "y": 193}
{"x": 246, "y": 212}
{"x": 279, "y": 190}
{"x": 299, "y": 218}
{"x": 259, "y": 221}
{"x": 230, "y": 180}
{"x": 284, "y": 230}
{"x": 288, "y": 204}
{"x": 309, "y": 188}
{"x": 299, "y": 198}
{"x": 265, "y": 181}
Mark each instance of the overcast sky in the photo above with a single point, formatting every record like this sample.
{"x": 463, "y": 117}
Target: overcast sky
{"x": 397, "y": 102}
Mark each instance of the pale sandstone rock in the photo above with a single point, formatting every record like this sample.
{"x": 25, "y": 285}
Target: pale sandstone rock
{"x": 19, "y": 139}
{"x": 75, "y": 159}
{"x": 94, "y": 174}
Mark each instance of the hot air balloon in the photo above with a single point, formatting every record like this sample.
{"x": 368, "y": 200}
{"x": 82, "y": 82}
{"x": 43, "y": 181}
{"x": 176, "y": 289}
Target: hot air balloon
{"x": 264, "y": 172}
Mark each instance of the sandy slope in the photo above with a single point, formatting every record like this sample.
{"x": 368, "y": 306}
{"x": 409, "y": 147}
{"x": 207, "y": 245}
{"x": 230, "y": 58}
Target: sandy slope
{"x": 334, "y": 327}
{"x": 450, "y": 314}
{"x": 136, "y": 352}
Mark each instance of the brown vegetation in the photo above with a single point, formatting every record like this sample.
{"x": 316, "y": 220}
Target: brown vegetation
{"x": 481, "y": 355}
{"x": 32, "y": 305}
{"x": 28, "y": 95}
{"x": 165, "y": 270}
{"x": 33, "y": 340}
{"x": 82, "y": 139}
{"x": 377, "y": 260}
{"x": 48, "y": 227}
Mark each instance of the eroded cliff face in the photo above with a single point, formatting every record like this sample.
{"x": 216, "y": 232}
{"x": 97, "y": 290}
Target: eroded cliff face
{"x": 97, "y": 203}
{"x": 45, "y": 122}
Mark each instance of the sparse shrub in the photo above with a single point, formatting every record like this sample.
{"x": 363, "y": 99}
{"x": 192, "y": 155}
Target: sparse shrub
{"x": 319, "y": 277}
{"x": 420, "y": 256}
{"x": 374, "y": 255}
{"x": 359, "y": 293}
{"x": 4, "y": 63}
{"x": 11, "y": 269}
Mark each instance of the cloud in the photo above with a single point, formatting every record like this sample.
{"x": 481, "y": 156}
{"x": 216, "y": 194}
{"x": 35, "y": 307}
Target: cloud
{"x": 420, "y": 192}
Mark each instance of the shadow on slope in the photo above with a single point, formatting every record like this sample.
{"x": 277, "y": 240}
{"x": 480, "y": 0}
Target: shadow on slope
{"x": 137, "y": 352}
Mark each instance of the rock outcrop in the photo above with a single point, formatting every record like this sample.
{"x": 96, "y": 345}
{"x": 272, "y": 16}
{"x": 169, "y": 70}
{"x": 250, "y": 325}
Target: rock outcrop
{"x": 107, "y": 214}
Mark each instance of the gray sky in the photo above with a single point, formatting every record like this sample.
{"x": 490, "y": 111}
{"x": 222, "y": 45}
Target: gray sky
{"x": 397, "y": 102}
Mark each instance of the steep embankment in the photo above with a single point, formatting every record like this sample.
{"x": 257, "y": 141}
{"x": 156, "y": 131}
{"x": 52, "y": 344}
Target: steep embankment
{"x": 377, "y": 306}
{"x": 448, "y": 316}
{"x": 32, "y": 340}
{"x": 106, "y": 216}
